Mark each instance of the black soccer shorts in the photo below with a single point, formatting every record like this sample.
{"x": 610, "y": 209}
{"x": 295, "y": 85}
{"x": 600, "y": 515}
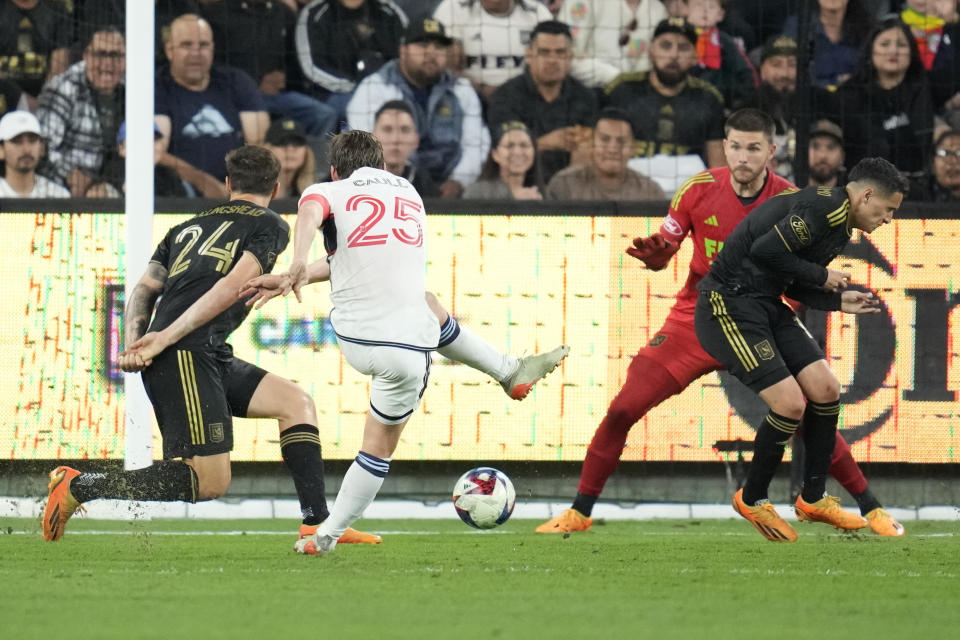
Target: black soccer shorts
{"x": 195, "y": 394}
{"x": 759, "y": 340}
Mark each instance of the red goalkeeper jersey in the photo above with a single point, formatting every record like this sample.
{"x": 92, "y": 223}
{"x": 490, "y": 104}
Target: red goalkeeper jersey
{"x": 706, "y": 207}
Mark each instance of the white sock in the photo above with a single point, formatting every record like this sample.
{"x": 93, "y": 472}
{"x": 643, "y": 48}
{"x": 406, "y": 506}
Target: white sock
{"x": 462, "y": 345}
{"x": 360, "y": 485}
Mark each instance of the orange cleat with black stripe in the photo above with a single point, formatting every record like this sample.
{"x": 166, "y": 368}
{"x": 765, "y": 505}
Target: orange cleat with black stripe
{"x": 60, "y": 503}
{"x": 765, "y": 518}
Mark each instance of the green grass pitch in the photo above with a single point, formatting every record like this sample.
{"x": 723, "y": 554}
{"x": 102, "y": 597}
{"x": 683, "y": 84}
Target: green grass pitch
{"x": 439, "y": 579}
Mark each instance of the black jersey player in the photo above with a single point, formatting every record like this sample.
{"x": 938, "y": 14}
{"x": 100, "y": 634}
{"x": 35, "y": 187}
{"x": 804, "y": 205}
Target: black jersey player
{"x": 783, "y": 248}
{"x": 193, "y": 380}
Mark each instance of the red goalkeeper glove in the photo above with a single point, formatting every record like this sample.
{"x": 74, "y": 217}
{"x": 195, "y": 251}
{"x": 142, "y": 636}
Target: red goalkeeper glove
{"x": 655, "y": 251}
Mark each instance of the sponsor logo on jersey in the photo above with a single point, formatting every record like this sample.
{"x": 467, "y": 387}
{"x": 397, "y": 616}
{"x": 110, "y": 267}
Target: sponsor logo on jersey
{"x": 800, "y": 230}
{"x": 764, "y": 350}
{"x": 579, "y": 11}
{"x": 712, "y": 221}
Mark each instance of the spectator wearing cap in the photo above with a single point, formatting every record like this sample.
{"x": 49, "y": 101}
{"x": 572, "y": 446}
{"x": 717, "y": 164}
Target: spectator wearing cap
{"x": 257, "y": 37}
{"x": 490, "y": 37}
{"x": 610, "y": 37}
{"x": 556, "y": 108}
{"x": 80, "y": 111}
{"x": 826, "y": 156}
{"x": 166, "y": 182}
{"x": 606, "y": 176}
{"x": 22, "y": 151}
{"x": 288, "y": 141}
{"x": 204, "y": 110}
{"x": 776, "y": 96}
{"x": 942, "y": 182}
{"x": 510, "y": 173}
{"x": 35, "y": 37}
{"x": 677, "y": 118}
{"x": 448, "y": 114}
{"x": 394, "y": 126}
{"x": 340, "y": 42}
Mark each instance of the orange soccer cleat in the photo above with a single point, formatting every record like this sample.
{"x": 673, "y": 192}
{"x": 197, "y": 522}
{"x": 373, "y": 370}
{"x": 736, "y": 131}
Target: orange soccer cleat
{"x": 827, "y": 509}
{"x": 765, "y": 518}
{"x": 883, "y": 524}
{"x": 60, "y": 503}
{"x": 569, "y": 520}
{"x": 350, "y": 536}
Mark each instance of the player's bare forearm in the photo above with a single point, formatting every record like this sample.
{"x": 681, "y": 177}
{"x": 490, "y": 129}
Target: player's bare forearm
{"x": 136, "y": 316}
{"x": 215, "y": 301}
{"x": 309, "y": 219}
{"x": 318, "y": 271}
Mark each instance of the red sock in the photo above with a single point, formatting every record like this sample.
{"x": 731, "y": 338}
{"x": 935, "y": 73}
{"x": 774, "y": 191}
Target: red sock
{"x": 648, "y": 384}
{"x": 845, "y": 469}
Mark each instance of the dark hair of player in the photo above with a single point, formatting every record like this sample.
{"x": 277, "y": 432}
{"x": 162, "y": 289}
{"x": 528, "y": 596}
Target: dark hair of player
{"x": 614, "y": 113}
{"x": 880, "y": 174}
{"x": 551, "y": 27}
{"x": 752, "y": 120}
{"x": 252, "y": 169}
{"x": 351, "y": 150}
{"x": 396, "y": 105}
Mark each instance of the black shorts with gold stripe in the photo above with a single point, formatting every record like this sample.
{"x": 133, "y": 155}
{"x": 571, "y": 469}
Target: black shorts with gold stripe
{"x": 195, "y": 395}
{"x": 759, "y": 340}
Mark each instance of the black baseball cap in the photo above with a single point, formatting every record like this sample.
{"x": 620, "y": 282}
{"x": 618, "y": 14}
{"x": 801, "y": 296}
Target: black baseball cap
{"x": 284, "y": 132}
{"x": 779, "y": 46}
{"x": 427, "y": 30}
{"x": 677, "y": 25}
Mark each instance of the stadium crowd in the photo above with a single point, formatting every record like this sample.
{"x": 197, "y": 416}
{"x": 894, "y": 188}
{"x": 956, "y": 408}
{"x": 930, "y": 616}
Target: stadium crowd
{"x": 490, "y": 99}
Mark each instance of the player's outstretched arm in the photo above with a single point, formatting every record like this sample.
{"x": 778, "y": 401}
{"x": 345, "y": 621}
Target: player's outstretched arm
{"x": 218, "y": 299}
{"x": 859, "y": 302}
{"x": 309, "y": 218}
{"x": 268, "y": 286}
{"x": 655, "y": 251}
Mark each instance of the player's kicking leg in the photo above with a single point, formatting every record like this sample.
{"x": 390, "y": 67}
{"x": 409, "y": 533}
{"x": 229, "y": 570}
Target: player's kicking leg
{"x": 294, "y": 409}
{"x": 517, "y": 376}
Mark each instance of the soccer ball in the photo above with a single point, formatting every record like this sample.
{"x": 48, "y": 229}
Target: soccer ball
{"x": 484, "y": 497}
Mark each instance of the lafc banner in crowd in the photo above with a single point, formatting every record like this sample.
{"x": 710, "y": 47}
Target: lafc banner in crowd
{"x": 526, "y": 284}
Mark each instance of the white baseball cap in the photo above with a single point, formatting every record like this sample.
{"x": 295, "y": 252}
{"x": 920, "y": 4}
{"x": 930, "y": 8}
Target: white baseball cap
{"x": 17, "y": 122}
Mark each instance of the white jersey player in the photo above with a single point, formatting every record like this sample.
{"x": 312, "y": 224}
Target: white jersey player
{"x": 374, "y": 231}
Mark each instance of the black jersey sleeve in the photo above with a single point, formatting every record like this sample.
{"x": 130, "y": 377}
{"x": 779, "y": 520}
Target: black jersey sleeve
{"x": 814, "y": 298}
{"x": 776, "y": 249}
{"x": 268, "y": 241}
{"x": 161, "y": 254}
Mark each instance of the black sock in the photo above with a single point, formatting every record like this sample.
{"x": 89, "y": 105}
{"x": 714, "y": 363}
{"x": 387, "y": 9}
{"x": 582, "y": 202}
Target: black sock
{"x": 819, "y": 437}
{"x": 300, "y": 448}
{"x": 772, "y": 436}
{"x": 163, "y": 481}
{"x": 866, "y": 501}
{"x": 584, "y": 503}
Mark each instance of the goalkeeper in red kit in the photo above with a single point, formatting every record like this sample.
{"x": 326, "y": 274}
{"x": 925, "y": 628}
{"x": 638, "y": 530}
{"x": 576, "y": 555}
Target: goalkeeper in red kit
{"x": 708, "y": 206}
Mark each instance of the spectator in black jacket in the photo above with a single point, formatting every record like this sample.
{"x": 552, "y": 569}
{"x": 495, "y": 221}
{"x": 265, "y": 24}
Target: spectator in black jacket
{"x": 887, "y": 103}
{"x": 556, "y": 108}
{"x": 340, "y": 42}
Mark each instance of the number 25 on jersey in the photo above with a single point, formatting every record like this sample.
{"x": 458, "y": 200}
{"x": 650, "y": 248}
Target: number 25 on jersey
{"x": 405, "y": 226}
